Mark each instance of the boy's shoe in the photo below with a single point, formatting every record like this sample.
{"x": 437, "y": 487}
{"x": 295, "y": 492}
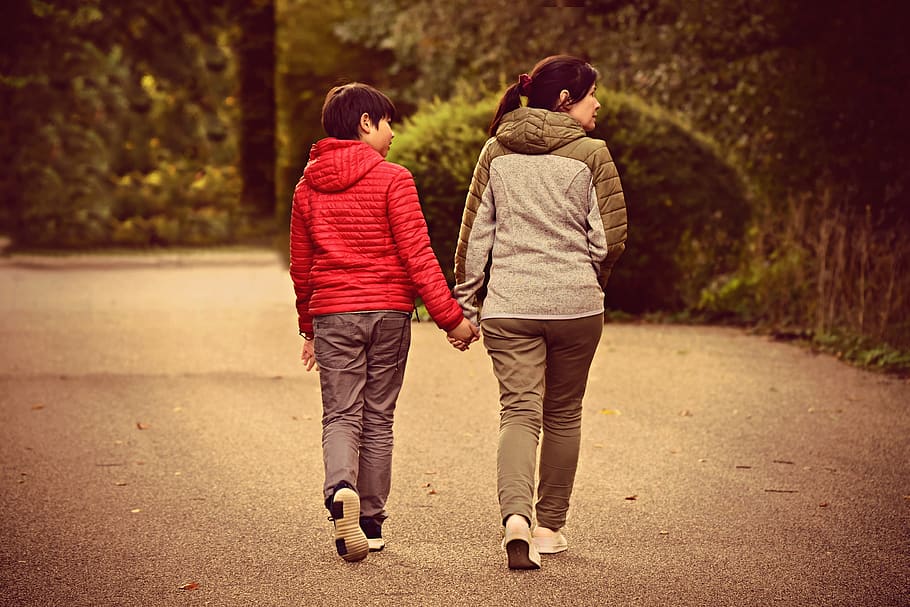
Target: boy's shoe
{"x": 520, "y": 548}
{"x": 350, "y": 540}
{"x": 549, "y": 541}
{"x": 373, "y": 530}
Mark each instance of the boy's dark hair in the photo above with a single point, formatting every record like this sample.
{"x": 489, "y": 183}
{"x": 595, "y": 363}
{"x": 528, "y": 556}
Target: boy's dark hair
{"x": 345, "y": 104}
{"x": 542, "y": 88}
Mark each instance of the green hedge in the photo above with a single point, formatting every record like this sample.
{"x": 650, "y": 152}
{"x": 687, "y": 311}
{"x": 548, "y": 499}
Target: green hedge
{"x": 687, "y": 206}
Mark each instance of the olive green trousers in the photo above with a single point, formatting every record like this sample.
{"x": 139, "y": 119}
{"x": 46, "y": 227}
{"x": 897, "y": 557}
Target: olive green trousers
{"x": 542, "y": 368}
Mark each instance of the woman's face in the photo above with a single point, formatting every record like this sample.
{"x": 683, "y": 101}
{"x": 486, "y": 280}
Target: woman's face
{"x": 585, "y": 109}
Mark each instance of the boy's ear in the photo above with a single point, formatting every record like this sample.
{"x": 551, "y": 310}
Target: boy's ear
{"x": 366, "y": 125}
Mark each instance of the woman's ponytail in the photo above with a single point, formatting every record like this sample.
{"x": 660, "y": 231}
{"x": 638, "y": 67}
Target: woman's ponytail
{"x": 511, "y": 100}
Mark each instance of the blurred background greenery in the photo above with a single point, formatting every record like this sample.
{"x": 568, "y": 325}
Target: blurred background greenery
{"x": 763, "y": 144}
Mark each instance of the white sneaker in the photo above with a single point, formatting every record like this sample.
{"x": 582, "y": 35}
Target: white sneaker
{"x": 519, "y": 547}
{"x": 549, "y": 541}
{"x": 350, "y": 541}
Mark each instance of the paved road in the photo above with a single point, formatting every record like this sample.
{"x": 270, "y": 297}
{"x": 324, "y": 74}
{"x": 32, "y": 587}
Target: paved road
{"x": 156, "y": 430}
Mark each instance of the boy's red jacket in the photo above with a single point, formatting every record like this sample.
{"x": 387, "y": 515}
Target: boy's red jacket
{"x": 359, "y": 240}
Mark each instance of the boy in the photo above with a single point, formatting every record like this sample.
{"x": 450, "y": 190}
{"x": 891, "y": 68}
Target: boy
{"x": 360, "y": 253}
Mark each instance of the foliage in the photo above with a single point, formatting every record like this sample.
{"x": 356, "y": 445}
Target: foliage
{"x": 798, "y": 92}
{"x": 864, "y": 352}
{"x": 440, "y": 144}
{"x": 116, "y": 94}
{"x": 311, "y": 58}
{"x": 825, "y": 267}
{"x": 687, "y": 207}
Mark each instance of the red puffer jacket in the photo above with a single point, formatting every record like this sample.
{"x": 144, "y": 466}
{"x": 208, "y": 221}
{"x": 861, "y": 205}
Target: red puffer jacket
{"x": 359, "y": 240}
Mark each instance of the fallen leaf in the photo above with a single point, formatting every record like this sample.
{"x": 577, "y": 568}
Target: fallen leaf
{"x": 120, "y": 484}
{"x": 685, "y": 413}
{"x": 823, "y": 505}
{"x": 431, "y": 492}
{"x": 632, "y": 498}
{"x": 37, "y": 407}
{"x": 425, "y": 485}
{"x": 702, "y": 460}
{"x": 189, "y": 586}
{"x": 610, "y": 412}
{"x": 744, "y": 467}
{"x": 782, "y": 461}
{"x": 141, "y": 426}
{"x": 430, "y": 472}
{"x": 136, "y": 510}
{"x": 663, "y": 532}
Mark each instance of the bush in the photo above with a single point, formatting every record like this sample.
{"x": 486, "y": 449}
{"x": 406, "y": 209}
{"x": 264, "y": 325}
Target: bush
{"x": 821, "y": 267}
{"x": 687, "y": 206}
{"x": 440, "y": 145}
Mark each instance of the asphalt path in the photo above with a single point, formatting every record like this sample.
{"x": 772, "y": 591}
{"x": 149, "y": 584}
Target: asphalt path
{"x": 160, "y": 446}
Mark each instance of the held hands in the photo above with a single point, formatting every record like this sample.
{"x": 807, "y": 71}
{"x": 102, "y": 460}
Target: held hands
{"x": 308, "y": 356}
{"x": 463, "y": 335}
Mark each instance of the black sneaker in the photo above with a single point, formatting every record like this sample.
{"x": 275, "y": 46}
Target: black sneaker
{"x": 373, "y": 530}
{"x": 350, "y": 540}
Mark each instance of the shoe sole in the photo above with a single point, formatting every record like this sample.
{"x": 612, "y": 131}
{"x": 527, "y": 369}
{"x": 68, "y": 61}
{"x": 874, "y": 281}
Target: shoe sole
{"x": 551, "y": 549}
{"x": 350, "y": 541}
{"x": 519, "y": 552}
{"x": 376, "y": 545}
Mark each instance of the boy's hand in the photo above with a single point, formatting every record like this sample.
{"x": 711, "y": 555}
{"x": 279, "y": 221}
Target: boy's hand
{"x": 463, "y": 335}
{"x": 308, "y": 356}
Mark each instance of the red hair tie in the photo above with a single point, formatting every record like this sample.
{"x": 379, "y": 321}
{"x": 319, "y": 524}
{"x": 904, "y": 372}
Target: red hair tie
{"x": 524, "y": 82}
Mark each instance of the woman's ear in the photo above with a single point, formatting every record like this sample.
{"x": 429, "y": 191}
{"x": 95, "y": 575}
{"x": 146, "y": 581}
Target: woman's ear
{"x": 366, "y": 125}
{"x": 563, "y": 100}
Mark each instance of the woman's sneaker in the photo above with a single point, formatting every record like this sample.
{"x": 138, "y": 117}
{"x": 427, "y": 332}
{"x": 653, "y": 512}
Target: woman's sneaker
{"x": 373, "y": 530}
{"x": 350, "y": 540}
{"x": 519, "y": 547}
{"x": 549, "y": 541}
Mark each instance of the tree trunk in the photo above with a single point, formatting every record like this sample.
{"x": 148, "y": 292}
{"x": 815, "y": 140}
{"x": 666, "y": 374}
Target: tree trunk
{"x": 256, "y": 63}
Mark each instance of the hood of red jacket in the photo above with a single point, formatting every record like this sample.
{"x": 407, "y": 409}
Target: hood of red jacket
{"x": 337, "y": 164}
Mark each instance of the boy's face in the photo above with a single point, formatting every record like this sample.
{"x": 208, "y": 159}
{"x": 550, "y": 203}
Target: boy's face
{"x": 378, "y": 136}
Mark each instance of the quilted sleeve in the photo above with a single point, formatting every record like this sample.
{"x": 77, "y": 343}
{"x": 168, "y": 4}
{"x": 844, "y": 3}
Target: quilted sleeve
{"x": 612, "y": 205}
{"x": 301, "y": 259}
{"x": 409, "y": 230}
{"x": 478, "y": 184}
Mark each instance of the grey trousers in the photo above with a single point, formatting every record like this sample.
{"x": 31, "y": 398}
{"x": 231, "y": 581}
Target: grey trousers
{"x": 542, "y": 367}
{"x": 361, "y": 360}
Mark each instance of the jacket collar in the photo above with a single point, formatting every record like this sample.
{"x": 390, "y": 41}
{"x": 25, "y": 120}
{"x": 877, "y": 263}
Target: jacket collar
{"x": 537, "y": 131}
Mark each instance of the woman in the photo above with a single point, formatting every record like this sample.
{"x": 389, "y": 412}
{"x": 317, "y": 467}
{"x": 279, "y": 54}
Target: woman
{"x": 544, "y": 222}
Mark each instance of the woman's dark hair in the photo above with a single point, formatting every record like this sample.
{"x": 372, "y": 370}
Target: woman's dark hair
{"x": 345, "y": 104}
{"x": 543, "y": 85}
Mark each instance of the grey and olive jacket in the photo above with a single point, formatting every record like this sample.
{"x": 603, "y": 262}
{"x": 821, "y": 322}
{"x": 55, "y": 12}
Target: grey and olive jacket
{"x": 546, "y": 210}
